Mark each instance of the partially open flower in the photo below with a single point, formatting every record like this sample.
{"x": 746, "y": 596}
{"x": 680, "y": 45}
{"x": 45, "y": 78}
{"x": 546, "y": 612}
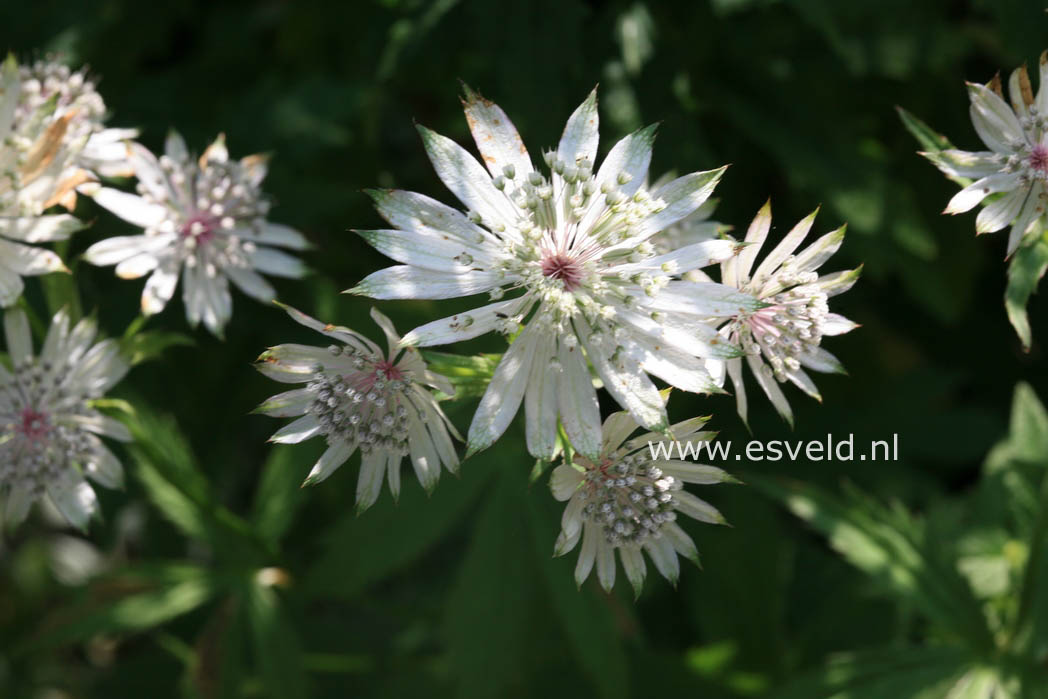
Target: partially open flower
{"x": 783, "y": 338}
{"x": 358, "y": 397}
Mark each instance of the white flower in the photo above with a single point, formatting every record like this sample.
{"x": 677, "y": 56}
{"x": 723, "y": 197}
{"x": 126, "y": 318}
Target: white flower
{"x": 48, "y": 84}
{"x": 575, "y": 246}
{"x": 1016, "y": 166}
{"x": 782, "y": 339}
{"x": 37, "y": 172}
{"x": 204, "y": 219}
{"x": 357, "y": 396}
{"x": 693, "y": 228}
{"x": 49, "y": 431}
{"x": 627, "y": 502}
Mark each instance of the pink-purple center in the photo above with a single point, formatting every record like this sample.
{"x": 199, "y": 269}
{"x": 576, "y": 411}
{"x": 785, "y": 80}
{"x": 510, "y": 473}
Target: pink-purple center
{"x": 200, "y": 226}
{"x": 35, "y": 424}
{"x": 558, "y": 265}
{"x": 1039, "y": 158}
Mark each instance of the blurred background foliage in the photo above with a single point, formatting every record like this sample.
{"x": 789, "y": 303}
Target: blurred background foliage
{"x": 214, "y": 575}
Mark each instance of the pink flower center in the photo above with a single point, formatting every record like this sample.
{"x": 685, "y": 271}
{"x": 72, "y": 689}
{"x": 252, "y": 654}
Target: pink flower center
{"x": 1038, "y": 159}
{"x": 558, "y": 265}
{"x": 200, "y": 226}
{"x": 35, "y": 425}
{"x": 391, "y": 372}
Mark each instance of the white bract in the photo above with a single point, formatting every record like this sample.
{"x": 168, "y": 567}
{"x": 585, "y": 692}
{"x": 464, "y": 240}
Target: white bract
{"x": 49, "y": 431}
{"x": 1015, "y": 167}
{"x": 783, "y": 338}
{"x": 358, "y": 397}
{"x": 204, "y": 219}
{"x": 37, "y": 171}
{"x": 53, "y": 86}
{"x": 627, "y": 502}
{"x": 567, "y": 261}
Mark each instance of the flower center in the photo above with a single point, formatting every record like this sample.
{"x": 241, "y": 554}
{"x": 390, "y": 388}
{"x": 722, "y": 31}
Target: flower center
{"x": 559, "y": 265}
{"x": 1038, "y": 159}
{"x": 629, "y": 499}
{"x": 200, "y": 227}
{"x": 35, "y": 425}
{"x": 361, "y": 400}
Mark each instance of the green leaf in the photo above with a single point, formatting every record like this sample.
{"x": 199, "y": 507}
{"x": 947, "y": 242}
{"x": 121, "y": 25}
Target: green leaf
{"x": 1027, "y": 267}
{"x": 914, "y": 673}
{"x": 929, "y": 139}
{"x": 888, "y": 545}
{"x": 144, "y": 346}
{"x": 132, "y": 600}
{"x": 586, "y": 614}
{"x": 469, "y": 375}
{"x": 361, "y": 551}
{"x": 275, "y": 640}
{"x": 280, "y": 492}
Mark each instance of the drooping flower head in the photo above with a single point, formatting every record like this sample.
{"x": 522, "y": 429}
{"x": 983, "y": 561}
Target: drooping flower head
{"x": 358, "y": 397}
{"x": 783, "y": 338}
{"x": 1016, "y": 166}
{"x": 566, "y": 254}
{"x": 204, "y": 219}
{"x": 627, "y": 502}
{"x": 37, "y": 171}
{"x": 53, "y": 86}
{"x": 49, "y": 431}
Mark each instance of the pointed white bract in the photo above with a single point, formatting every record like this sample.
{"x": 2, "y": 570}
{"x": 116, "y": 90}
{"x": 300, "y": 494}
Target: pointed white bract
{"x": 50, "y": 442}
{"x": 693, "y": 228}
{"x": 566, "y": 257}
{"x": 358, "y": 397}
{"x": 204, "y": 220}
{"x": 783, "y": 338}
{"x": 627, "y": 502}
{"x": 48, "y": 84}
{"x": 37, "y": 171}
{"x": 1016, "y": 165}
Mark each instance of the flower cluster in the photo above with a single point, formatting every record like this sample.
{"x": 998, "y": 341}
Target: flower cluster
{"x": 1016, "y": 164}
{"x": 594, "y": 277}
{"x": 37, "y": 171}
{"x": 627, "y": 502}
{"x": 49, "y": 429}
{"x": 204, "y": 219}
{"x": 358, "y": 397}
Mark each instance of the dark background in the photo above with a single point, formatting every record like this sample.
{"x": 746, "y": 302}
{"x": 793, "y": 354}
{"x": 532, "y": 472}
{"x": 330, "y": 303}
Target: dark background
{"x": 456, "y": 595}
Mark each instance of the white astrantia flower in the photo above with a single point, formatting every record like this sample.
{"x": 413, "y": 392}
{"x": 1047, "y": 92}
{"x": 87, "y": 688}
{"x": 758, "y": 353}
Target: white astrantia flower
{"x": 37, "y": 171}
{"x": 696, "y": 227}
{"x": 566, "y": 256}
{"x": 359, "y": 397}
{"x": 1015, "y": 167}
{"x": 48, "y": 84}
{"x": 783, "y": 338}
{"x": 626, "y": 501}
{"x": 204, "y": 219}
{"x": 49, "y": 429}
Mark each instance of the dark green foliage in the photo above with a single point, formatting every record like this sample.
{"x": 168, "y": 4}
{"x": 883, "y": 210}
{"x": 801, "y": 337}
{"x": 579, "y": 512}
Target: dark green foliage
{"x": 214, "y": 574}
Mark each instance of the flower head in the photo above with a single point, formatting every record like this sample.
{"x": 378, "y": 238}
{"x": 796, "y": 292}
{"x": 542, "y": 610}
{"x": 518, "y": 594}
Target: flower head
{"x": 49, "y": 431}
{"x": 565, "y": 255}
{"x": 1015, "y": 167}
{"x": 783, "y": 338}
{"x": 54, "y": 87}
{"x": 628, "y": 502}
{"x": 37, "y": 171}
{"x": 204, "y": 219}
{"x": 358, "y": 397}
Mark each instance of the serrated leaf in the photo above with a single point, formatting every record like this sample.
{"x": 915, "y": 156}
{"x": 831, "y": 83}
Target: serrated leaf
{"x": 887, "y": 544}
